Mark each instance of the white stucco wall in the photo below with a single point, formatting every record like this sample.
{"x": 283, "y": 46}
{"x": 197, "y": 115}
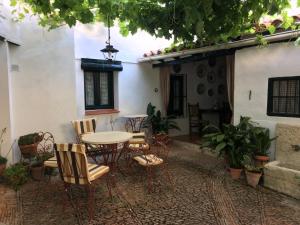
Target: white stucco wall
{"x": 134, "y": 86}
{"x": 253, "y": 67}
{"x": 5, "y": 100}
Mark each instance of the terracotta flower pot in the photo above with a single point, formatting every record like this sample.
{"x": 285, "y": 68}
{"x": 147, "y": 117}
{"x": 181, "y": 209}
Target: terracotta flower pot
{"x": 2, "y": 168}
{"x": 235, "y": 173}
{"x": 261, "y": 160}
{"x": 37, "y": 172}
{"x": 253, "y": 178}
{"x": 29, "y": 151}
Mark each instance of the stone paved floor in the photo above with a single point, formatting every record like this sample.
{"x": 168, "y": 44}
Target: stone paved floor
{"x": 203, "y": 194}
{"x": 9, "y": 207}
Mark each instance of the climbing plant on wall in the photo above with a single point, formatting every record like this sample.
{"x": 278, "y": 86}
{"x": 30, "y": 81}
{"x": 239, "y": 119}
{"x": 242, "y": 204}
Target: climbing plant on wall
{"x": 206, "y": 21}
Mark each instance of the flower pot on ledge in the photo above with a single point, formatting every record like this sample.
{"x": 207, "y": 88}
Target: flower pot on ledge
{"x": 261, "y": 160}
{"x": 253, "y": 178}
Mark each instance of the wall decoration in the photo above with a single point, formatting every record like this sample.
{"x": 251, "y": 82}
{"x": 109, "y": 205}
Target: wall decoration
{"x": 177, "y": 68}
{"x": 210, "y": 92}
{"x": 201, "y": 70}
{"x": 211, "y": 77}
{"x": 212, "y": 61}
{"x": 221, "y": 71}
{"x": 221, "y": 89}
{"x": 201, "y": 89}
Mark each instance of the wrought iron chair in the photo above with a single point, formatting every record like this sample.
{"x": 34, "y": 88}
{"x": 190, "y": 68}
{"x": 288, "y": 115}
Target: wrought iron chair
{"x": 195, "y": 119}
{"x": 86, "y": 126}
{"x": 75, "y": 169}
{"x": 156, "y": 157}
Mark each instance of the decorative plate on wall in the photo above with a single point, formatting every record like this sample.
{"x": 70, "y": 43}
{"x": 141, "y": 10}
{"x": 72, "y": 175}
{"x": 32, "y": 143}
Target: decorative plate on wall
{"x": 201, "y": 70}
{"x": 201, "y": 89}
{"x": 210, "y": 92}
{"x": 212, "y": 61}
{"x": 211, "y": 77}
{"x": 177, "y": 68}
{"x": 221, "y": 89}
{"x": 221, "y": 71}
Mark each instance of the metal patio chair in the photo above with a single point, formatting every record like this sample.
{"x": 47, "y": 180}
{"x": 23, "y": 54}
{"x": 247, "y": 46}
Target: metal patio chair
{"x": 156, "y": 157}
{"x": 74, "y": 169}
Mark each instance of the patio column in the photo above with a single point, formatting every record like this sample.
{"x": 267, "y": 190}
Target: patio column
{"x": 5, "y": 100}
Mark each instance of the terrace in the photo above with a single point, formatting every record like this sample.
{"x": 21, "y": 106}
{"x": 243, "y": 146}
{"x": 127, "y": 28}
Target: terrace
{"x": 203, "y": 194}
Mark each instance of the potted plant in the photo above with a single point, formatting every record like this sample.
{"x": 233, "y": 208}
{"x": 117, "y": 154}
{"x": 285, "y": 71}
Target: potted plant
{"x": 253, "y": 172}
{"x": 233, "y": 142}
{"x": 37, "y": 168}
{"x": 16, "y": 175}
{"x": 28, "y": 144}
{"x": 262, "y": 142}
{"x": 160, "y": 125}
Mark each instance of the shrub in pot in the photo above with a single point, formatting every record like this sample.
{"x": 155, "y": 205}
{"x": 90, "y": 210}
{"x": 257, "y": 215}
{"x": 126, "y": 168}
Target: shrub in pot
{"x": 28, "y": 144}
{"x": 262, "y": 142}
{"x": 159, "y": 124}
{"x": 37, "y": 168}
{"x": 253, "y": 172}
{"x": 233, "y": 142}
{"x": 16, "y": 175}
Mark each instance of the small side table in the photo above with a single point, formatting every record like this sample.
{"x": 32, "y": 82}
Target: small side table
{"x": 136, "y": 122}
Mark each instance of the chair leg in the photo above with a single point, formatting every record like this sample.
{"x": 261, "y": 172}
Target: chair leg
{"x": 168, "y": 175}
{"x": 150, "y": 178}
{"x": 91, "y": 201}
{"x": 108, "y": 185}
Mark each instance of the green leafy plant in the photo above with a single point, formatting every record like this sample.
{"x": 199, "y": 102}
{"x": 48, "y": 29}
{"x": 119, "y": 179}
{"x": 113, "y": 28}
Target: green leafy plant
{"x": 261, "y": 140}
{"x": 3, "y": 160}
{"x": 16, "y": 175}
{"x": 249, "y": 164}
{"x": 233, "y": 141}
{"x": 29, "y": 139}
{"x": 205, "y": 21}
{"x": 159, "y": 123}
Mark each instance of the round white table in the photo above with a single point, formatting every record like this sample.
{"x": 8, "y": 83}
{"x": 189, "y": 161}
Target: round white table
{"x": 136, "y": 121}
{"x": 108, "y": 144}
{"x": 106, "y": 137}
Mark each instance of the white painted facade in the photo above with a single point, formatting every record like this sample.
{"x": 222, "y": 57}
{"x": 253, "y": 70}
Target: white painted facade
{"x": 253, "y": 67}
{"x": 42, "y": 82}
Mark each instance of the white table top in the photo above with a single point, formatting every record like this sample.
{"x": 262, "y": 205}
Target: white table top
{"x": 106, "y": 137}
{"x": 136, "y": 116}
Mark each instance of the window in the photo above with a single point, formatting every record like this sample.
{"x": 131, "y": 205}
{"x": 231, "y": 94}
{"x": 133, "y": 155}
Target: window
{"x": 177, "y": 95}
{"x": 98, "y": 90}
{"x": 284, "y": 97}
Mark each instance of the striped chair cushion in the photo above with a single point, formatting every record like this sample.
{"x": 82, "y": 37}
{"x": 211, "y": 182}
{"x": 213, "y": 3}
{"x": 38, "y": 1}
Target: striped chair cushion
{"x": 138, "y": 135}
{"x": 96, "y": 171}
{"x": 52, "y": 162}
{"x": 137, "y": 141}
{"x": 139, "y": 146}
{"x": 148, "y": 160}
{"x": 84, "y": 126}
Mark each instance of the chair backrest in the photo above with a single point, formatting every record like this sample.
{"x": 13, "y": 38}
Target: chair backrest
{"x": 72, "y": 163}
{"x": 84, "y": 126}
{"x": 194, "y": 110}
{"x": 161, "y": 150}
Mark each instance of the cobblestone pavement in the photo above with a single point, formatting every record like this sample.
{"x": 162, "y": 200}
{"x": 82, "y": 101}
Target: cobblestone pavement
{"x": 9, "y": 207}
{"x": 203, "y": 194}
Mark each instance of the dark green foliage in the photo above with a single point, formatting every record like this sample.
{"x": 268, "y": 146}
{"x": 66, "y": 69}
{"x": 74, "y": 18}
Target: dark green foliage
{"x": 159, "y": 123}
{"x": 3, "y": 160}
{"x": 233, "y": 141}
{"x": 29, "y": 139}
{"x": 16, "y": 175}
{"x": 261, "y": 141}
{"x": 210, "y": 21}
